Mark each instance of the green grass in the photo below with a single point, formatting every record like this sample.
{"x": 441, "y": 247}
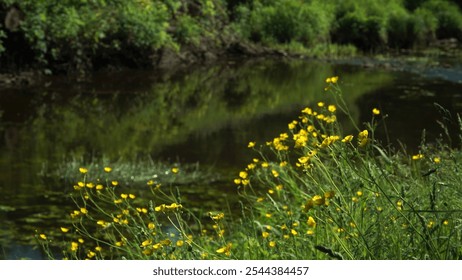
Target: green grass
{"x": 313, "y": 192}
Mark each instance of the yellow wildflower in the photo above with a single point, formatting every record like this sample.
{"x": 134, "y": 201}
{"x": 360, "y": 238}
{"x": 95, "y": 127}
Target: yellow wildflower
{"x": 43, "y": 236}
{"x": 251, "y": 145}
{"x": 216, "y": 217}
{"x": 175, "y": 170}
{"x": 363, "y": 138}
{"x": 179, "y": 243}
{"x": 171, "y": 207}
{"x": 436, "y": 160}
{"x": 251, "y": 166}
{"x": 417, "y": 157}
{"x": 275, "y": 173}
{"x": 303, "y": 160}
{"x": 107, "y": 169}
{"x": 243, "y": 174}
{"x": 83, "y": 210}
{"x": 311, "y": 222}
{"x": 376, "y": 111}
{"x": 265, "y": 234}
{"x": 307, "y": 111}
{"x": 142, "y": 210}
{"x": 83, "y": 170}
{"x": 318, "y": 200}
{"x": 430, "y": 224}
{"x": 292, "y": 125}
{"x": 320, "y": 104}
{"x": 63, "y": 229}
{"x": 331, "y": 108}
{"x": 91, "y": 254}
{"x": 329, "y": 194}
{"x": 74, "y": 246}
{"x": 225, "y": 250}
{"x": 347, "y": 139}
{"x": 272, "y": 244}
{"x": 102, "y": 223}
{"x": 146, "y": 243}
{"x": 332, "y": 80}
{"x": 114, "y": 183}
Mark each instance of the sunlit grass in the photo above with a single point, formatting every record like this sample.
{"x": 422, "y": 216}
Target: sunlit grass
{"x": 314, "y": 191}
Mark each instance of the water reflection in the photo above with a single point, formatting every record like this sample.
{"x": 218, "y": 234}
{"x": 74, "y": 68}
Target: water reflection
{"x": 207, "y": 115}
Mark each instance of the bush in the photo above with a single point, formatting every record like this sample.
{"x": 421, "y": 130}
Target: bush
{"x": 400, "y": 28}
{"x": 425, "y": 25}
{"x": 449, "y": 18}
{"x": 68, "y": 35}
{"x": 362, "y": 24}
{"x": 71, "y": 34}
{"x": 285, "y": 21}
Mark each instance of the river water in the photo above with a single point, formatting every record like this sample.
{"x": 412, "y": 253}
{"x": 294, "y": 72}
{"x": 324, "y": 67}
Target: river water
{"x": 142, "y": 123}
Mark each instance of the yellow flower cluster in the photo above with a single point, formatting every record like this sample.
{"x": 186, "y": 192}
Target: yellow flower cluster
{"x": 151, "y": 248}
{"x": 225, "y": 250}
{"x": 279, "y": 142}
{"x": 166, "y": 208}
{"x": 363, "y": 138}
{"x": 318, "y": 200}
{"x": 332, "y": 80}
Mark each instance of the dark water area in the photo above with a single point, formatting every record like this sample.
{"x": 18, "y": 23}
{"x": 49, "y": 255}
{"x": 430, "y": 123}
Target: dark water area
{"x": 203, "y": 117}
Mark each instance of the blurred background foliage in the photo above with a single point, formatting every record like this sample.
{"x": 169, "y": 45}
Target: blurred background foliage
{"x": 78, "y": 35}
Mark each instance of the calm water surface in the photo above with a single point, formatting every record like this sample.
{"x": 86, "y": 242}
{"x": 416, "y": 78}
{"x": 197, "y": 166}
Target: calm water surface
{"x": 143, "y": 122}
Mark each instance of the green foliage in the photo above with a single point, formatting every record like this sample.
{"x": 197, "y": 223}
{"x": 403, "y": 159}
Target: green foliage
{"x": 187, "y": 30}
{"x": 76, "y": 35}
{"x": 425, "y": 25}
{"x": 285, "y": 21}
{"x": 449, "y": 18}
{"x": 2, "y": 36}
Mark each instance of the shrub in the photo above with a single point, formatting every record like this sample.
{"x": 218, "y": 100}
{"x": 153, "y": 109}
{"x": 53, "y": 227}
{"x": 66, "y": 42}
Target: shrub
{"x": 285, "y": 21}
{"x": 361, "y": 24}
{"x": 400, "y": 28}
{"x": 425, "y": 26}
{"x": 448, "y": 16}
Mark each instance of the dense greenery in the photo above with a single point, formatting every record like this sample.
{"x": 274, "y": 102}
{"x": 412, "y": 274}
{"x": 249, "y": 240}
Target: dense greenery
{"x": 314, "y": 191}
{"x": 84, "y": 34}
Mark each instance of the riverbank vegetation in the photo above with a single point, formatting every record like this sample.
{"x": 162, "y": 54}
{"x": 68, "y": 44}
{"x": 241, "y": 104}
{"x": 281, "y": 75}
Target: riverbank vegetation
{"x": 78, "y": 36}
{"x": 316, "y": 190}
